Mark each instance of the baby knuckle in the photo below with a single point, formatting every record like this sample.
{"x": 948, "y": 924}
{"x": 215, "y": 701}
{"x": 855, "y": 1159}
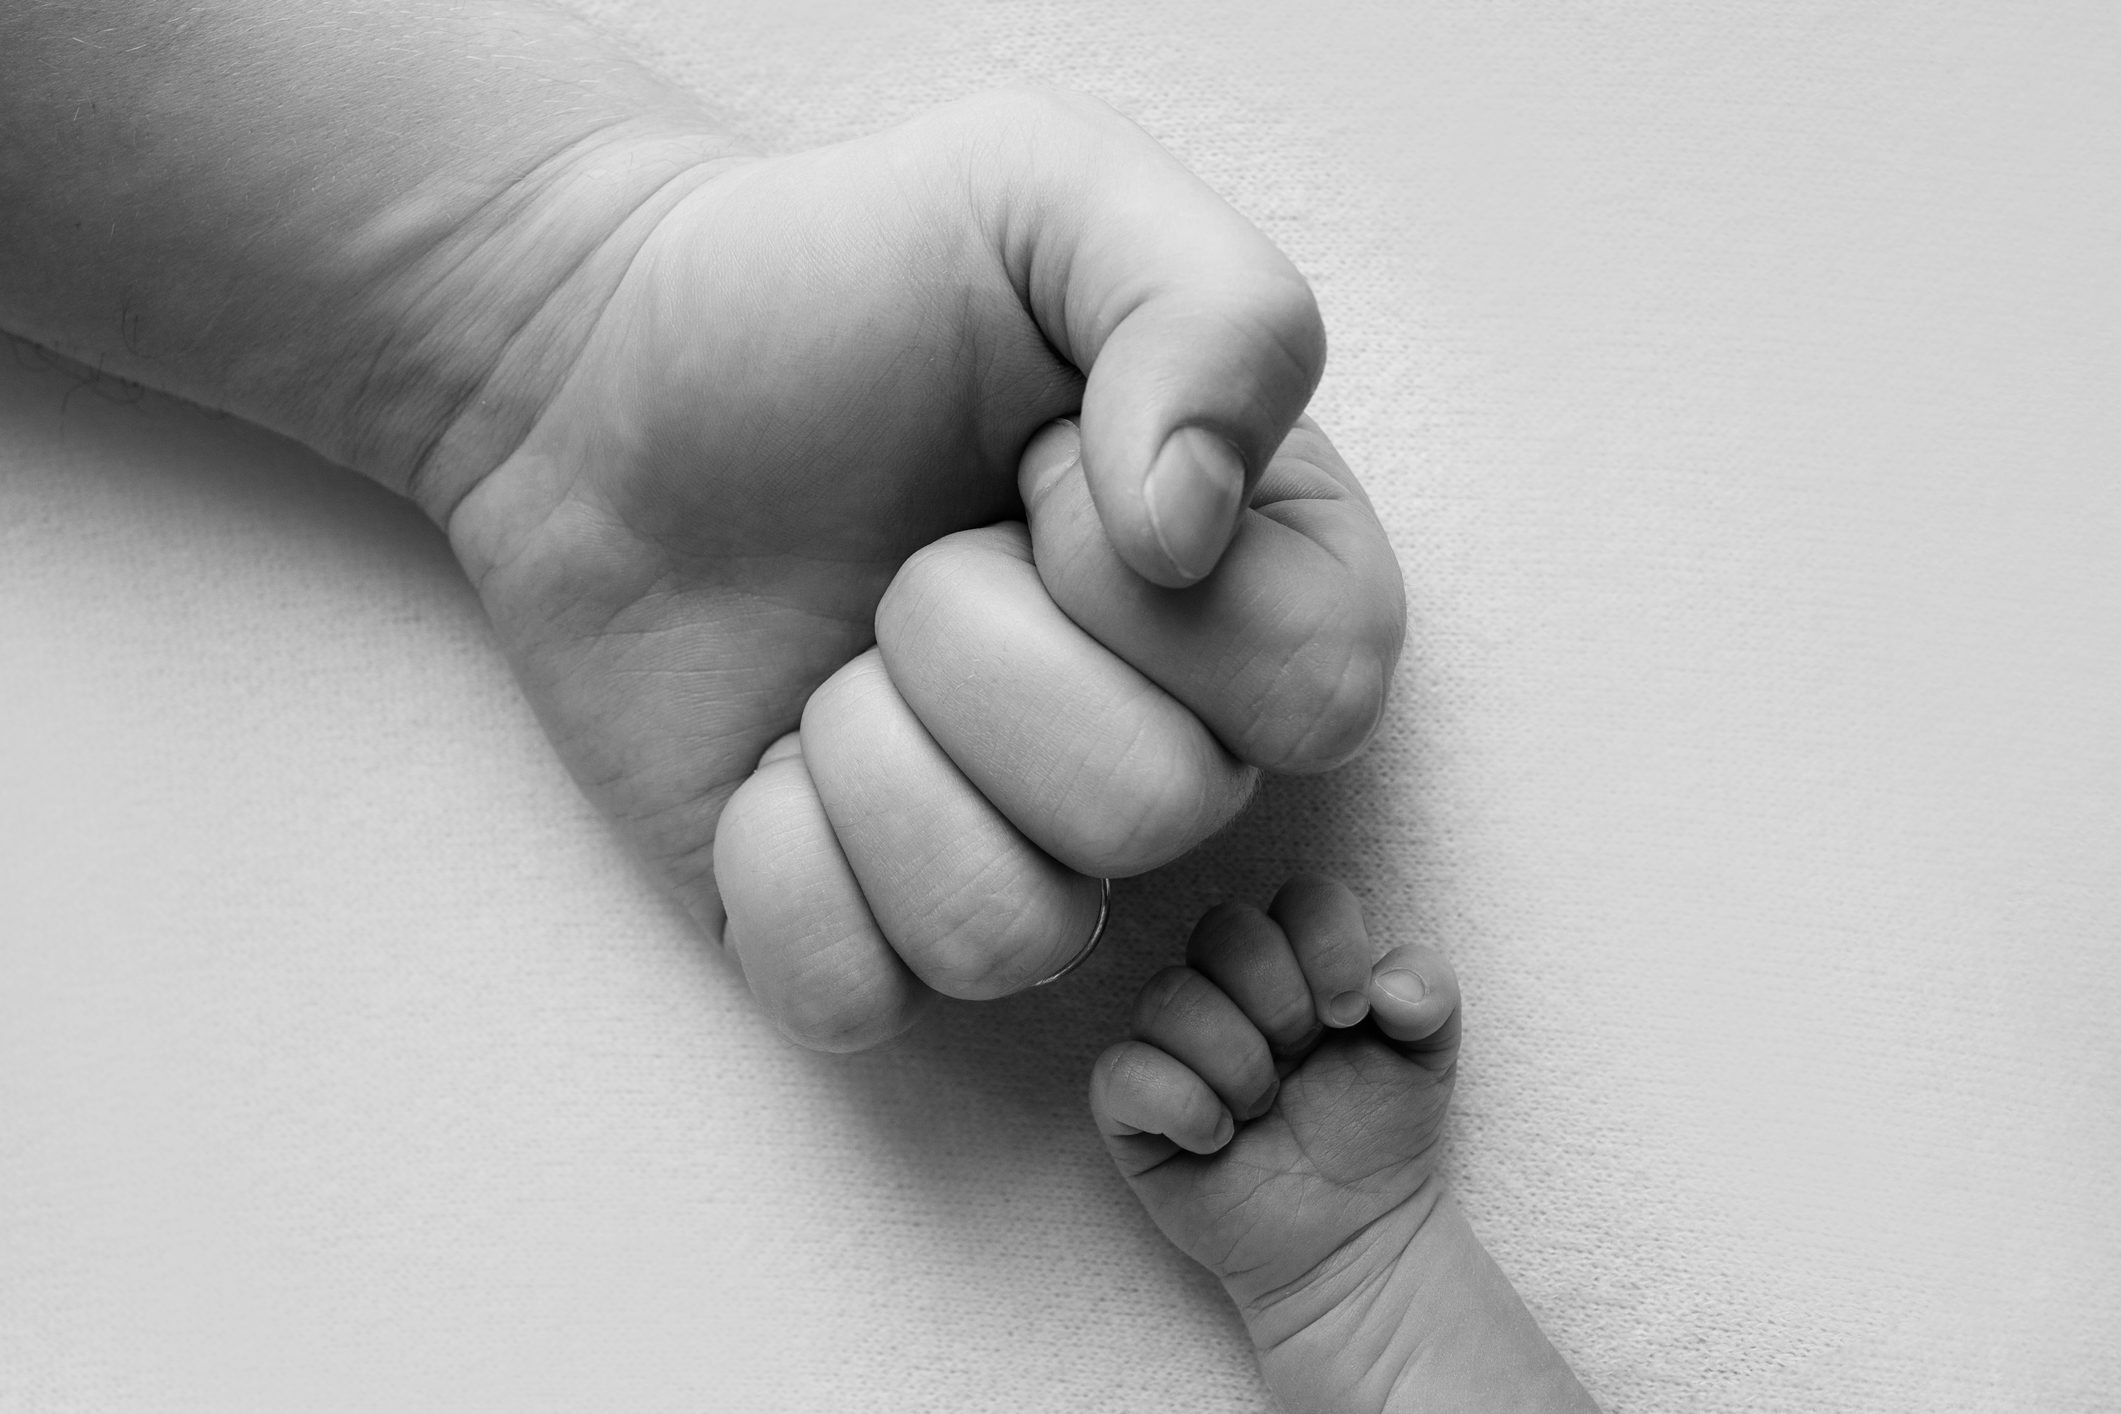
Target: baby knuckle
{"x": 1135, "y": 1068}
{"x": 1155, "y": 1002}
{"x": 1291, "y": 1019}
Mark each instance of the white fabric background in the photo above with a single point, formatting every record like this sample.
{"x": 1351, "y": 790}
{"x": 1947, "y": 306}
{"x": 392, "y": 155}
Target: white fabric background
{"x": 1739, "y": 385}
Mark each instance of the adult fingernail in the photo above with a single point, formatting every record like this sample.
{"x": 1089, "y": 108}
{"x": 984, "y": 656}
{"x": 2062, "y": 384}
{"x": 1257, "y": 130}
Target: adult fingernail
{"x": 1402, "y": 985}
{"x": 1347, "y": 1009}
{"x": 1057, "y": 447}
{"x": 1194, "y": 490}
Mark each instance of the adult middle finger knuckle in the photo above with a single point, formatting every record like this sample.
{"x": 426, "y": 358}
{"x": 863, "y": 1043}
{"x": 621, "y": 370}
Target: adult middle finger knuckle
{"x": 993, "y": 935}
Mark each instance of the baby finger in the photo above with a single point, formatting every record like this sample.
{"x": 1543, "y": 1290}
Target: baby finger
{"x": 1136, "y": 1089}
{"x": 1414, "y": 1000}
{"x": 1323, "y": 919}
{"x": 1187, "y": 1016}
{"x": 1245, "y": 953}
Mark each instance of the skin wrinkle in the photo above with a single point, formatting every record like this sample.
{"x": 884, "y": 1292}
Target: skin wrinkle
{"x": 662, "y": 586}
{"x": 1298, "y": 633}
{"x": 1007, "y": 865}
{"x": 1320, "y": 709}
{"x": 845, "y": 1012}
{"x": 1249, "y": 1204}
{"x": 1023, "y": 256}
{"x": 965, "y": 951}
{"x": 1370, "y": 1294}
{"x": 1245, "y": 317}
{"x": 1344, "y": 1256}
{"x": 1301, "y": 363}
{"x": 476, "y": 389}
{"x": 657, "y": 600}
{"x": 1139, "y": 760}
{"x": 730, "y": 167}
{"x": 462, "y": 237}
{"x": 439, "y": 263}
{"x": 1330, "y": 721}
{"x": 1059, "y": 224}
{"x": 687, "y": 868}
{"x": 1312, "y": 519}
{"x": 975, "y": 358}
{"x": 1366, "y": 1291}
{"x": 718, "y": 558}
{"x": 1138, "y": 747}
{"x": 1001, "y": 864}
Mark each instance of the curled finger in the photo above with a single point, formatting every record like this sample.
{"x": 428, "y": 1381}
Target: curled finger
{"x": 974, "y": 908}
{"x": 1247, "y": 955}
{"x": 797, "y": 921}
{"x": 1137, "y": 1089}
{"x": 1323, "y": 921}
{"x": 1185, "y": 1015}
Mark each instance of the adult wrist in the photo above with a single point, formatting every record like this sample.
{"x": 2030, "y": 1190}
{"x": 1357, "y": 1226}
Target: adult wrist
{"x": 494, "y": 344}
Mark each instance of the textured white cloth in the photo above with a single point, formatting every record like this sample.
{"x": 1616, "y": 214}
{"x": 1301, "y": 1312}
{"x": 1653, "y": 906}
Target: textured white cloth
{"x": 1738, "y": 383}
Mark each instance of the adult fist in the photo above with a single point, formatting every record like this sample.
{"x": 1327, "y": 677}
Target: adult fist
{"x": 815, "y": 383}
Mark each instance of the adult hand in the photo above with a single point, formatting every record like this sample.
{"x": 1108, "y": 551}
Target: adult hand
{"x": 687, "y": 415}
{"x": 796, "y": 426}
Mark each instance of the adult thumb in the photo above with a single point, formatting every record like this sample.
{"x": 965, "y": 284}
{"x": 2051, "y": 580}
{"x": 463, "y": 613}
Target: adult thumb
{"x": 1200, "y": 341}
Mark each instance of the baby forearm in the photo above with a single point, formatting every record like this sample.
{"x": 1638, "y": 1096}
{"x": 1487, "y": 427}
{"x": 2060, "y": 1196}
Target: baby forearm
{"x": 380, "y": 229}
{"x": 1476, "y": 1346}
{"x": 1443, "y": 1331}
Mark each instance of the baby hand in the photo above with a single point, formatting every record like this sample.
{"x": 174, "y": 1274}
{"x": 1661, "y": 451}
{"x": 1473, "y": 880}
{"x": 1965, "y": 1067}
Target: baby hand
{"x": 1278, "y": 1112}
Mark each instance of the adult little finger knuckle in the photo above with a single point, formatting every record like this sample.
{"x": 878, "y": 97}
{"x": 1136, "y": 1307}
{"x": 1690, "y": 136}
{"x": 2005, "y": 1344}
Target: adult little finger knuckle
{"x": 975, "y": 963}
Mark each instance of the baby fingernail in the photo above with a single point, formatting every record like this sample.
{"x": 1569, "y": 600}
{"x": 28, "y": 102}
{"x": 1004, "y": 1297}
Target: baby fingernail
{"x": 1224, "y": 1128}
{"x": 1347, "y": 1009}
{"x": 1265, "y": 1100}
{"x": 1194, "y": 491}
{"x": 1403, "y": 985}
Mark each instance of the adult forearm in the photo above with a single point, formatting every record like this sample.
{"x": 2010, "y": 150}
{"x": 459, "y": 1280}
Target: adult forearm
{"x": 381, "y": 229}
